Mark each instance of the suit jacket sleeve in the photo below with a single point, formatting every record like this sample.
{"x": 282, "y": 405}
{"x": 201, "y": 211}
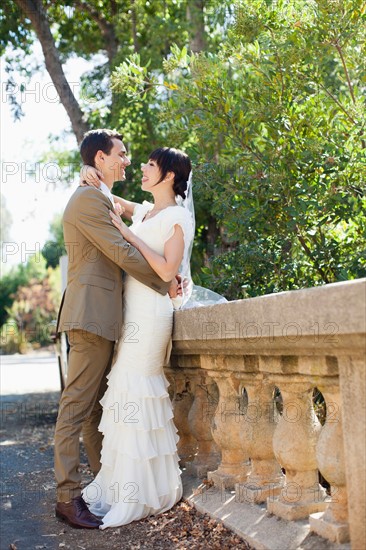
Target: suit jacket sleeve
{"x": 94, "y": 222}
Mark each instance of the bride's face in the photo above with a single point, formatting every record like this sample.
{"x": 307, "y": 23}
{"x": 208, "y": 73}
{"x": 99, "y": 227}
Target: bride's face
{"x": 150, "y": 175}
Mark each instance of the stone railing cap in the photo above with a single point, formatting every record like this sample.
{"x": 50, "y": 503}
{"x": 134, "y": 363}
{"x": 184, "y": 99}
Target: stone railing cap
{"x": 320, "y": 317}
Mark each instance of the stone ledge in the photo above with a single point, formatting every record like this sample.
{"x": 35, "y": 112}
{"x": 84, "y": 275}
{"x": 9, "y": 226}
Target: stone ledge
{"x": 252, "y": 522}
{"x": 324, "y": 320}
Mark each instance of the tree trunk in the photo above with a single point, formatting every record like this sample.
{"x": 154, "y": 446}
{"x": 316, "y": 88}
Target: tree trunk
{"x": 196, "y": 20}
{"x": 34, "y": 11}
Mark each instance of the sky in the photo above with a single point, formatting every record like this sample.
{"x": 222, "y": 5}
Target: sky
{"x": 34, "y": 192}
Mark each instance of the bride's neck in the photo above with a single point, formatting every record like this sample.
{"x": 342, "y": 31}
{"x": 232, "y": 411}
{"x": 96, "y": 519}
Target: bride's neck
{"x": 163, "y": 200}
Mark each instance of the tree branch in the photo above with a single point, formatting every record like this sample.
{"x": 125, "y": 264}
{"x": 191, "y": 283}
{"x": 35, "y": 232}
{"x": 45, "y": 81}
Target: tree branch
{"x": 310, "y": 255}
{"x": 339, "y": 50}
{"x": 279, "y": 64}
{"x": 34, "y": 11}
{"x": 337, "y": 102}
{"x": 106, "y": 28}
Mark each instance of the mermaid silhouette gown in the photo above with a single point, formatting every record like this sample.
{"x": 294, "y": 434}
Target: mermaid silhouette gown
{"x": 140, "y": 475}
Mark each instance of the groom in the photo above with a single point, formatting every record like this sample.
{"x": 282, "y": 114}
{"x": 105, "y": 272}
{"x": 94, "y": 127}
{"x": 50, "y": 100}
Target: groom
{"x": 91, "y": 314}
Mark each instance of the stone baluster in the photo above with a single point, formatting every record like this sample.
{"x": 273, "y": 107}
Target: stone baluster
{"x": 294, "y": 445}
{"x": 257, "y": 428}
{"x": 226, "y": 433}
{"x": 352, "y": 382}
{"x": 200, "y": 419}
{"x": 333, "y": 523}
{"x": 182, "y": 402}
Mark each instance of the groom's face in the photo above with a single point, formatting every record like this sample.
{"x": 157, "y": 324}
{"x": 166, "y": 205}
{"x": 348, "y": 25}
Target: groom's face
{"x": 113, "y": 165}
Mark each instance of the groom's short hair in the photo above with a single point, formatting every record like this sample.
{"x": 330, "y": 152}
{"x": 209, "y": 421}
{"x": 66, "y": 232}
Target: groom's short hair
{"x": 97, "y": 140}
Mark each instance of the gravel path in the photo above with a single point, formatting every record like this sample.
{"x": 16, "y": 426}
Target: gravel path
{"x": 28, "y": 495}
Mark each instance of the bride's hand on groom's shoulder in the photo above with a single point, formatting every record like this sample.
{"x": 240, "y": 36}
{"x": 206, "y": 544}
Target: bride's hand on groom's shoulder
{"x": 118, "y": 209}
{"x": 90, "y": 176}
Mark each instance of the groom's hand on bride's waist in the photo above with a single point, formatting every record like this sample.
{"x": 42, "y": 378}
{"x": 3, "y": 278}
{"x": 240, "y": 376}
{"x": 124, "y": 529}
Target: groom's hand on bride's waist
{"x": 176, "y": 288}
{"x": 173, "y": 289}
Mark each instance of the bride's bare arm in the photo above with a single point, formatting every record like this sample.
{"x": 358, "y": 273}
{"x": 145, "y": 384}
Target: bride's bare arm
{"x": 93, "y": 177}
{"x": 165, "y": 266}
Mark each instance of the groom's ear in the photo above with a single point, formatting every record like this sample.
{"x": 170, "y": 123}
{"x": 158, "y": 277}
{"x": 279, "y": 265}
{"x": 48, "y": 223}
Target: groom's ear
{"x": 99, "y": 157}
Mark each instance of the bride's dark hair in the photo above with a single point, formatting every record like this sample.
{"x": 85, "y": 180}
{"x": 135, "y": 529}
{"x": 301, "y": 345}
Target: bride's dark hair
{"x": 169, "y": 159}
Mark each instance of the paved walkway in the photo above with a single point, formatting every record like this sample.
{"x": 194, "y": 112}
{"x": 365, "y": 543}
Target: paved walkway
{"x": 34, "y": 373}
{"x": 27, "y": 484}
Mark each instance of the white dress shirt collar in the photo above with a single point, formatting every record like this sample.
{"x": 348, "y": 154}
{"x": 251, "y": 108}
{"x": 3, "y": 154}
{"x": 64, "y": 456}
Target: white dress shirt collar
{"x": 106, "y": 191}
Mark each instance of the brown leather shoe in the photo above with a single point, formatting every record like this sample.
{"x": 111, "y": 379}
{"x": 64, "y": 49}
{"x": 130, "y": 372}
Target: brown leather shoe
{"x": 76, "y": 514}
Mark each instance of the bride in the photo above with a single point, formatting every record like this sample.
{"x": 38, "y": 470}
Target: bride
{"x": 140, "y": 475}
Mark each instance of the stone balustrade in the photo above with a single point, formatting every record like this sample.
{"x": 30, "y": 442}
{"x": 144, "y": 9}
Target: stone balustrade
{"x": 243, "y": 378}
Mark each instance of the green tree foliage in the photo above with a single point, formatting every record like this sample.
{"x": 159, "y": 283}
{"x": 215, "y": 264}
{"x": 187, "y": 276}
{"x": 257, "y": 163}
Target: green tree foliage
{"x": 54, "y": 248}
{"x": 34, "y": 310}
{"x": 38, "y": 274}
{"x": 19, "y": 276}
{"x": 114, "y": 29}
{"x": 276, "y": 122}
{"x": 271, "y": 111}
{"x": 29, "y": 299}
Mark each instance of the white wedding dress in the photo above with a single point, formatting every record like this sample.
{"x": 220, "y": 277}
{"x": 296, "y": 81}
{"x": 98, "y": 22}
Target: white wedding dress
{"x": 140, "y": 475}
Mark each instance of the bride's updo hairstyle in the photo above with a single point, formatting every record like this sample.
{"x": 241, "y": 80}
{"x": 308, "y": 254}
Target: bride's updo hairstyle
{"x": 169, "y": 159}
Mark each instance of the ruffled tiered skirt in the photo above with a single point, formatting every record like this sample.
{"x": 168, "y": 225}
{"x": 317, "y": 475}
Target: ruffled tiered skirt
{"x": 140, "y": 475}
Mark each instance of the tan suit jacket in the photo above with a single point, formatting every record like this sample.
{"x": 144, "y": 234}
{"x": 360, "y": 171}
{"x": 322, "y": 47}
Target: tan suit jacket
{"x": 97, "y": 253}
